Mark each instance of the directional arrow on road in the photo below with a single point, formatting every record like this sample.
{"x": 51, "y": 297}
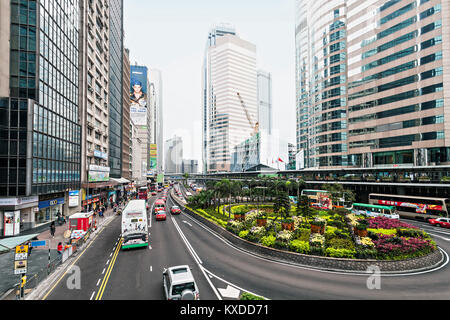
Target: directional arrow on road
{"x": 229, "y": 292}
{"x": 184, "y": 221}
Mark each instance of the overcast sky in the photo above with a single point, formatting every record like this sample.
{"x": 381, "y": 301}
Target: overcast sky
{"x": 170, "y": 35}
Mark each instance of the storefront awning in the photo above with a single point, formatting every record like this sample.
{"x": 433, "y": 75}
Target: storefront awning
{"x": 10, "y": 243}
{"x": 121, "y": 180}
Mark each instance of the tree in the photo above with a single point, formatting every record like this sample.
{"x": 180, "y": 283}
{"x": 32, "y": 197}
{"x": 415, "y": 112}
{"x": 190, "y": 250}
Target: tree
{"x": 186, "y": 177}
{"x": 338, "y": 192}
{"x": 303, "y": 208}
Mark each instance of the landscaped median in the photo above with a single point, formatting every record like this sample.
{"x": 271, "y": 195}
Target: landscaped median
{"x": 332, "y": 240}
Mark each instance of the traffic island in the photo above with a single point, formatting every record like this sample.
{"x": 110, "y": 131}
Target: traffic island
{"x": 276, "y": 248}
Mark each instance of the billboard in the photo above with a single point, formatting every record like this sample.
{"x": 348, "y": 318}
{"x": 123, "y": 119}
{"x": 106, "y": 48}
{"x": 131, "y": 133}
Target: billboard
{"x": 138, "y": 95}
{"x": 153, "y": 156}
{"x": 98, "y": 173}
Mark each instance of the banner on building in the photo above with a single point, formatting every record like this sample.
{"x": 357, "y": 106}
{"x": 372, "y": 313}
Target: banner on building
{"x": 74, "y": 198}
{"x": 98, "y": 173}
{"x": 153, "y": 156}
{"x": 138, "y": 95}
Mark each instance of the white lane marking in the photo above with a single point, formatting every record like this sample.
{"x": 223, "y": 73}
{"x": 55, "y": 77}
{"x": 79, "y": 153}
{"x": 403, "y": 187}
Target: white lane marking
{"x": 98, "y": 282}
{"x": 103, "y": 272}
{"x": 229, "y": 292}
{"x": 184, "y": 221}
{"x": 232, "y": 285}
{"x": 107, "y": 262}
{"x": 110, "y": 254}
{"x": 196, "y": 259}
{"x": 151, "y": 269}
{"x": 92, "y": 296}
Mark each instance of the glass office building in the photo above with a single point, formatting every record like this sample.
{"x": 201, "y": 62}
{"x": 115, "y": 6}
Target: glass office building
{"x": 115, "y": 87}
{"x": 40, "y": 134}
{"x": 371, "y": 87}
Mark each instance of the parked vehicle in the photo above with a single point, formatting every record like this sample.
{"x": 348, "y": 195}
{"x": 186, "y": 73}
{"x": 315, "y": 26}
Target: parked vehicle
{"x": 179, "y": 284}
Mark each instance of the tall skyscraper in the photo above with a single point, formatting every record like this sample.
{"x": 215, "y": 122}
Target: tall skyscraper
{"x": 126, "y": 125}
{"x": 265, "y": 101}
{"x": 174, "y": 155}
{"x": 115, "y": 86}
{"x": 40, "y": 134}
{"x": 156, "y": 118}
{"x": 371, "y": 87}
{"x": 230, "y": 69}
{"x": 213, "y": 35}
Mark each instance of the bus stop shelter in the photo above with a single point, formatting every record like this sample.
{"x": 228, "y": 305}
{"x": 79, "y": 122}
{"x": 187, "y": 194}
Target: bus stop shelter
{"x": 8, "y": 244}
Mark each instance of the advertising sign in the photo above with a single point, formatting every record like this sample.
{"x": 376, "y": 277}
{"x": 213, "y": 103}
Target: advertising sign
{"x": 138, "y": 95}
{"x": 98, "y": 173}
{"x": 11, "y": 225}
{"x": 153, "y": 156}
{"x": 74, "y": 198}
{"x": 300, "y": 160}
{"x": 100, "y": 154}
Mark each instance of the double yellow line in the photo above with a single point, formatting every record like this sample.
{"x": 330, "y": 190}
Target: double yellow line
{"x": 108, "y": 272}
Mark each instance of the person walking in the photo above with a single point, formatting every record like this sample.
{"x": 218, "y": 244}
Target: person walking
{"x": 60, "y": 248}
{"x": 52, "y": 229}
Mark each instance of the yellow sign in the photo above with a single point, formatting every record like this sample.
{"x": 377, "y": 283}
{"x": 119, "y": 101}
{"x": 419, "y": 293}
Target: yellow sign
{"x": 22, "y": 249}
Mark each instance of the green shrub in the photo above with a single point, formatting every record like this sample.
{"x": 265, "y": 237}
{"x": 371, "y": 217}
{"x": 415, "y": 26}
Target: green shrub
{"x": 302, "y": 234}
{"x": 366, "y": 253}
{"x": 281, "y": 245}
{"x": 339, "y": 243}
{"x": 249, "y": 296}
{"x": 268, "y": 241}
{"x": 243, "y": 234}
{"x": 316, "y": 251}
{"x": 340, "y": 253}
{"x": 299, "y": 246}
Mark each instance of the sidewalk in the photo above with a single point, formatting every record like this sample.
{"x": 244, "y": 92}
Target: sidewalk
{"x": 39, "y": 258}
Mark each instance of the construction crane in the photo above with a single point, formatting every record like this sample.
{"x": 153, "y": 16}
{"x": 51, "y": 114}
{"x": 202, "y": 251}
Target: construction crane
{"x": 255, "y": 126}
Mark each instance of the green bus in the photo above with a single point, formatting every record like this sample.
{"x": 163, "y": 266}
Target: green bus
{"x": 375, "y": 211}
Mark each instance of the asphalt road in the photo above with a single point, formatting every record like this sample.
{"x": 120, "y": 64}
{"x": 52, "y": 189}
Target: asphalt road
{"x": 223, "y": 271}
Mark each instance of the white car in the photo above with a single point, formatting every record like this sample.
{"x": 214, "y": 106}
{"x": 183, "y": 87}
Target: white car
{"x": 179, "y": 284}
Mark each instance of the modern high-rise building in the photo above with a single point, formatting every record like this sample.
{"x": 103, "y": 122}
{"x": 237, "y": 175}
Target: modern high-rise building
{"x": 230, "y": 69}
{"x": 40, "y": 133}
{"x": 173, "y": 155}
{"x": 213, "y": 35}
{"x": 265, "y": 101}
{"x": 157, "y": 120}
{"x": 116, "y": 49}
{"x": 371, "y": 83}
{"x": 126, "y": 125}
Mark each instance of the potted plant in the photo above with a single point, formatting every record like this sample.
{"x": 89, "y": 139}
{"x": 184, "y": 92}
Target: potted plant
{"x": 361, "y": 229}
{"x": 318, "y": 226}
{"x": 287, "y": 224}
{"x": 239, "y": 215}
{"x": 261, "y": 219}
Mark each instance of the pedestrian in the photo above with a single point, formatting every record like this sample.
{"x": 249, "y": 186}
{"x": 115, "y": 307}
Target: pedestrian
{"x": 29, "y": 248}
{"x": 52, "y": 229}
{"x": 60, "y": 248}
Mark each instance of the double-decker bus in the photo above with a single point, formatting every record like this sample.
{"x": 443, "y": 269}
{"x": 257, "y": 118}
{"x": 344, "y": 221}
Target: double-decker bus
{"x": 372, "y": 210}
{"x": 322, "y": 199}
{"x": 143, "y": 193}
{"x": 414, "y": 207}
{"x": 134, "y": 225}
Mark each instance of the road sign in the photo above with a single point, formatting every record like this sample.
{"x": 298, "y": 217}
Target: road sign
{"x": 40, "y": 243}
{"x": 21, "y": 256}
{"x": 22, "y": 249}
{"x": 20, "y": 267}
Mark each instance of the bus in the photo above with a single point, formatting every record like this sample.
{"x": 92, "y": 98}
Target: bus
{"x": 414, "y": 207}
{"x": 160, "y": 205}
{"x": 321, "y": 199}
{"x": 134, "y": 225}
{"x": 371, "y": 210}
{"x": 143, "y": 193}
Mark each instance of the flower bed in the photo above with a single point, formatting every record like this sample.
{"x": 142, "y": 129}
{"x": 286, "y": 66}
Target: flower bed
{"x": 383, "y": 239}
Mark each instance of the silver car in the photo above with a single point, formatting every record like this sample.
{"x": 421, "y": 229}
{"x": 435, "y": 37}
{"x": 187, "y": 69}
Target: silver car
{"x": 179, "y": 284}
